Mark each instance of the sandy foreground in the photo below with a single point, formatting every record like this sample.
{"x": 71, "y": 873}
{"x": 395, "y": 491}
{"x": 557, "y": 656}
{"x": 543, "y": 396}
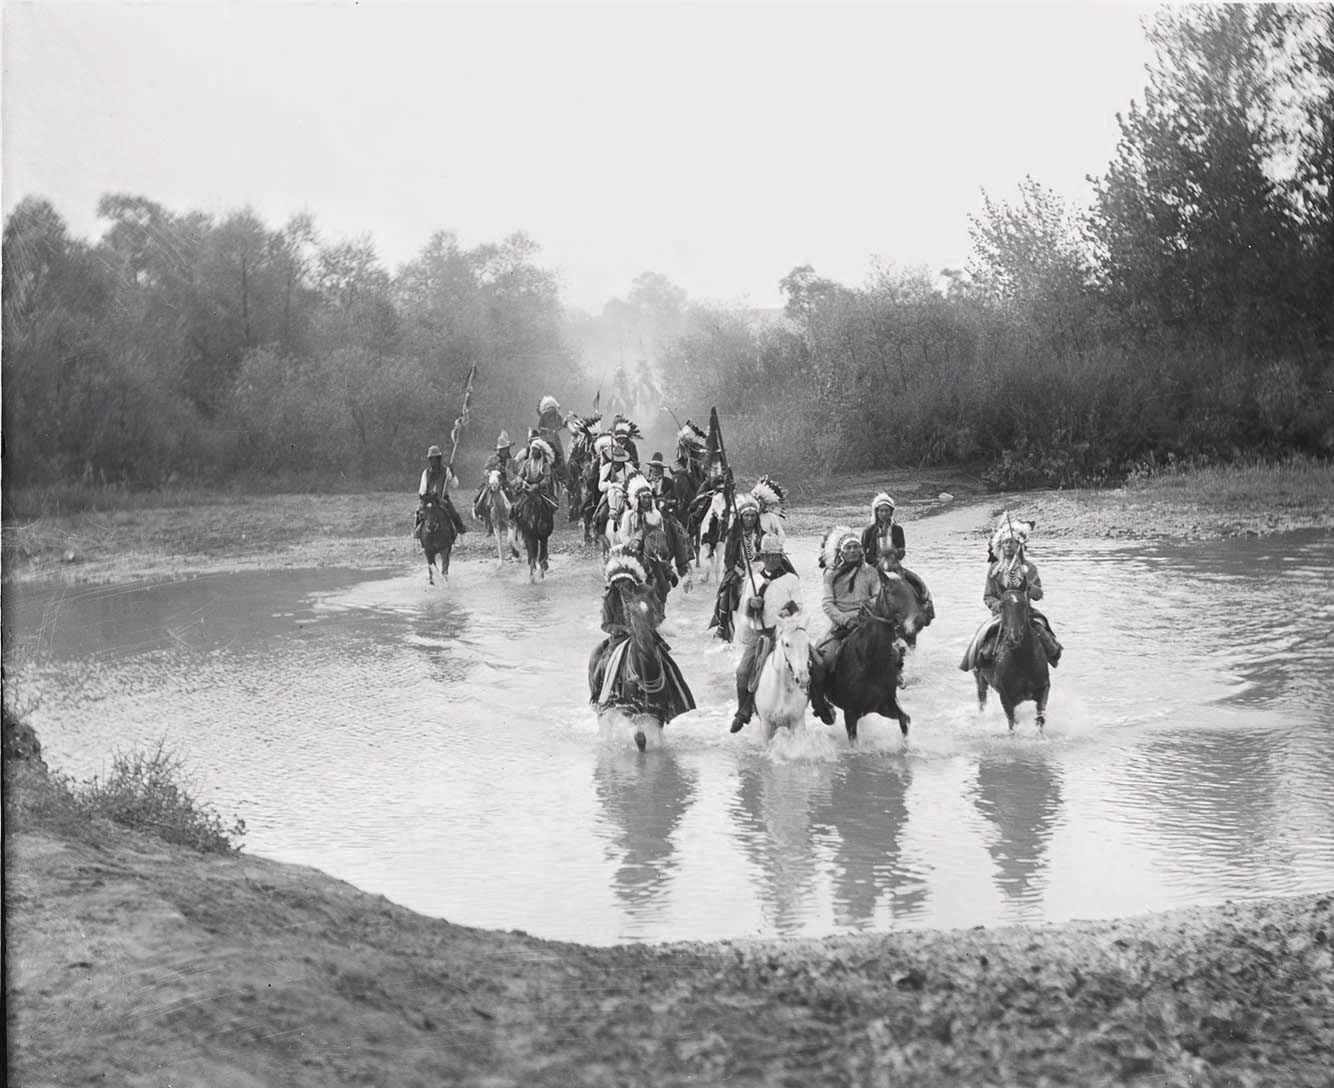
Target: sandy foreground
{"x": 129, "y": 961}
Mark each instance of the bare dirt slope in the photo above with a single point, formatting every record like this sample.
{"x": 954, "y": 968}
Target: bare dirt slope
{"x": 134, "y": 962}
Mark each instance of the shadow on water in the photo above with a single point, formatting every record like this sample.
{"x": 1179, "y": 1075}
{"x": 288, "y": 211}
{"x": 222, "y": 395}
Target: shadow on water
{"x": 1019, "y": 792}
{"x": 643, "y": 797}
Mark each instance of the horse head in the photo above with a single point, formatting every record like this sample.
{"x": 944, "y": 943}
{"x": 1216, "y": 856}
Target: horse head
{"x": 793, "y": 645}
{"x": 1016, "y": 617}
{"x": 494, "y": 482}
{"x": 913, "y": 612}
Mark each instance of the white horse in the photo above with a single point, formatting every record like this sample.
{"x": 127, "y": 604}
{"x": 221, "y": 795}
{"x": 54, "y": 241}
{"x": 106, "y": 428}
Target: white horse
{"x": 714, "y": 525}
{"x": 497, "y": 510}
{"x": 784, "y": 684}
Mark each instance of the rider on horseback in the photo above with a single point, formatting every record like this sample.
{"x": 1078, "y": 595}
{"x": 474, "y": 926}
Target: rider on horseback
{"x": 775, "y": 596}
{"x": 771, "y": 498}
{"x": 850, "y": 584}
{"x": 744, "y": 536}
{"x": 433, "y": 488}
{"x": 501, "y": 461}
{"x": 641, "y": 513}
{"x": 623, "y": 435}
{"x": 664, "y": 485}
{"x": 1010, "y": 570}
{"x": 549, "y": 425}
{"x": 884, "y": 544}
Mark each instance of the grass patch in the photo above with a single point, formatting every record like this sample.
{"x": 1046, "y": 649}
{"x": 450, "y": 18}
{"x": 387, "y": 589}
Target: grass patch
{"x": 146, "y": 791}
{"x": 1294, "y": 481}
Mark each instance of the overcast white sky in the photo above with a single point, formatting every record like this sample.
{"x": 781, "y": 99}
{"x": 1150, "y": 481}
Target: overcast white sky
{"x": 721, "y": 144}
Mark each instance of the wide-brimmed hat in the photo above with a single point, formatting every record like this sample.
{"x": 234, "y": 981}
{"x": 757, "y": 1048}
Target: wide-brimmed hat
{"x": 503, "y": 441}
{"x": 771, "y": 544}
{"x": 434, "y": 451}
{"x": 656, "y": 461}
{"x": 620, "y": 455}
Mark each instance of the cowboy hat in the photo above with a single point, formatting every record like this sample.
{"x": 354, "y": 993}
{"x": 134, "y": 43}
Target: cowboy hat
{"x": 620, "y": 455}
{"x": 434, "y": 451}
{"x": 656, "y": 461}
{"x": 503, "y": 442}
{"x": 771, "y": 544}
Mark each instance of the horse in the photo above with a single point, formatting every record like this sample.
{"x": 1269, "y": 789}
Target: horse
{"x": 1018, "y": 670}
{"x": 711, "y": 534}
{"x": 437, "y": 537}
{"x": 665, "y": 551}
{"x": 865, "y": 676}
{"x": 579, "y": 481}
{"x": 783, "y": 687}
{"x": 609, "y": 531}
{"x": 915, "y": 609}
{"x": 535, "y": 515}
{"x": 497, "y": 513}
{"x": 632, "y": 675}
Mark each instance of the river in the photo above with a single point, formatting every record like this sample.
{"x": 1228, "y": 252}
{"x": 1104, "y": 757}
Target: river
{"x": 436, "y": 744}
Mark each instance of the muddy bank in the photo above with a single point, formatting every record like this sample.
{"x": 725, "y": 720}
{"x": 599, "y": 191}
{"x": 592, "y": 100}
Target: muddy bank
{"x": 135, "y": 962}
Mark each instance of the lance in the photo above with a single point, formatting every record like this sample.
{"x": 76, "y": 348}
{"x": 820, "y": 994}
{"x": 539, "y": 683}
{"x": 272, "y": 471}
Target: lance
{"x": 457, "y": 429}
{"x": 729, "y": 492}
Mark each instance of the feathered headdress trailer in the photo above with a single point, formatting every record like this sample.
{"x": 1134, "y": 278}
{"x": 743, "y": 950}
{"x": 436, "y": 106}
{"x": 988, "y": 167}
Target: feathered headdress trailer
{"x": 621, "y": 566}
{"x": 542, "y": 446}
{"x": 621, "y": 425}
{"x": 637, "y": 485}
{"x": 603, "y": 443}
{"x": 770, "y": 496}
{"x": 582, "y": 424}
{"x": 832, "y": 543}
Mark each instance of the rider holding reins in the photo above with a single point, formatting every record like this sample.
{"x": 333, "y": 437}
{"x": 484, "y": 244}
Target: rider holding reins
{"x": 433, "y": 488}
{"x": 850, "y": 584}
{"x": 1009, "y": 571}
{"x": 775, "y": 596}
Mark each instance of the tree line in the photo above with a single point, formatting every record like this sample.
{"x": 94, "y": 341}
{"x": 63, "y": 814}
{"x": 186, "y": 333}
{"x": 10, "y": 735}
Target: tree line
{"x": 1188, "y": 312}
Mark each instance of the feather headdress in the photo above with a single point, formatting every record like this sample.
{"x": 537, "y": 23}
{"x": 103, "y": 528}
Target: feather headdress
{"x": 769, "y": 495}
{"x": 620, "y": 423}
{"x": 747, "y": 501}
{"x": 883, "y": 499}
{"x": 634, "y": 486}
{"x": 621, "y": 565}
{"x": 1011, "y": 528}
{"x": 692, "y": 435}
{"x": 603, "y": 443}
{"x": 832, "y": 543}
{"x": 548, "y": 404}
{"x": 542, "y": 446}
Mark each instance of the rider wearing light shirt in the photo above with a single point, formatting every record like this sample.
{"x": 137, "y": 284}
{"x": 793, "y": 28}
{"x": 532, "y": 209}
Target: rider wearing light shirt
{"x": 773, "y": 597}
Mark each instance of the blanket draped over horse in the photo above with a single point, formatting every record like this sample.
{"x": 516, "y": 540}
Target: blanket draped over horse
{"x": 632, "y": 669}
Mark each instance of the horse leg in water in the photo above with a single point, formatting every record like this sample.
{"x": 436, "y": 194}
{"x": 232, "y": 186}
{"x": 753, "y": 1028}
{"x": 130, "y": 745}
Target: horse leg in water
{"x": 530, "y": 546}
{"x": 1041, "y": 701}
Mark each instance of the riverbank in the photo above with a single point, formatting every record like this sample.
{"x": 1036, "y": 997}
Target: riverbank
{"x": 132, "y": 961}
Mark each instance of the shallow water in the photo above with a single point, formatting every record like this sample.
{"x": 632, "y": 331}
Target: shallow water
{"x": 436, "y": 745}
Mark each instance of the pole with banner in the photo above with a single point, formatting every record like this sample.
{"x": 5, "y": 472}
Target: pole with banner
{"x": 459, "y": 423}
{"x": 717, "y": 449}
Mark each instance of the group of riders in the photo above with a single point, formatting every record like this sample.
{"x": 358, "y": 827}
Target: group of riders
{"x": 656, "y": 518}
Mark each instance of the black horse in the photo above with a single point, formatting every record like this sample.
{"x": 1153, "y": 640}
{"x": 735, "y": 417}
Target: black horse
{"x": 865, "y": 677}
{"x": 1018, "y": 670}
{"x": 535, "y": 515}
{"x": 436, "y": 533}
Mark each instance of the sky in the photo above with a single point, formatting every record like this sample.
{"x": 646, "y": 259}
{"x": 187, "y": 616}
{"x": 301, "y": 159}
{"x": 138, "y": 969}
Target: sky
{"x": 720, "y": 144}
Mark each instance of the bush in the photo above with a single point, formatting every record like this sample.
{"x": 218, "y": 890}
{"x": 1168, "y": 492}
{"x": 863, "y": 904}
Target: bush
{"x": 145, "y": 791}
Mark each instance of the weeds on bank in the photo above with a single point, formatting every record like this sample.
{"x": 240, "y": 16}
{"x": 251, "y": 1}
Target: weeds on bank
{"x": 146, "y": 791}
{"x": 1297, "y": 481}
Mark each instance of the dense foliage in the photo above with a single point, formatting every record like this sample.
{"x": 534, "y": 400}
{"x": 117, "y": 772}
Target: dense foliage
{"x": 1188, "y": 313}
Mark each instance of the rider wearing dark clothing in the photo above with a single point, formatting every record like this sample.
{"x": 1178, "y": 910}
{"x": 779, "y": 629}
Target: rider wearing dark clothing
{"x": 434, "y": 488}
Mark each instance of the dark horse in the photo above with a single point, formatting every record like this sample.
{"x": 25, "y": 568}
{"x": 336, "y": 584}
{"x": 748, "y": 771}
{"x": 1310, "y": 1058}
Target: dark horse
{"x": 631, "y": 672}
{"x": 534, "y": 514}
{"x": 437, "y": 536}
{"x": 865, "y": 677}
{"x": 666, "y": 553}
{"x": 915, "y": 610}
{"x": 1018, "y": 670}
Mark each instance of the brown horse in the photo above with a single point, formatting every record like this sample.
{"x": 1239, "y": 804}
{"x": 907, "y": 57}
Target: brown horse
{"x": 631, "y": 674}
{"x": 493, "y": 507}
{"x": 865, "y": 677}
{"x": 437, "y": 537}
{"x": 1018, "y": 671}
{"x": 534, "y": 514}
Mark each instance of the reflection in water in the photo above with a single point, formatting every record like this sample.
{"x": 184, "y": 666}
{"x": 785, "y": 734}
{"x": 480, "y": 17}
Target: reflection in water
{"x": 1020, "y": 792}
{"x": 868, "y": 808}
{"x": 644, "y": 796}
{"x": 776, "y": 803}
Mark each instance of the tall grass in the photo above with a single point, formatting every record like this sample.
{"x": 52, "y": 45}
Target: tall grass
{"x": 146, "y": 791}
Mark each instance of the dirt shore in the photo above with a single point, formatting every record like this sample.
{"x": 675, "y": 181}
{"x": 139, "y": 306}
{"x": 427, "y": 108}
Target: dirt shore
{"x": 134, "y": 962}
